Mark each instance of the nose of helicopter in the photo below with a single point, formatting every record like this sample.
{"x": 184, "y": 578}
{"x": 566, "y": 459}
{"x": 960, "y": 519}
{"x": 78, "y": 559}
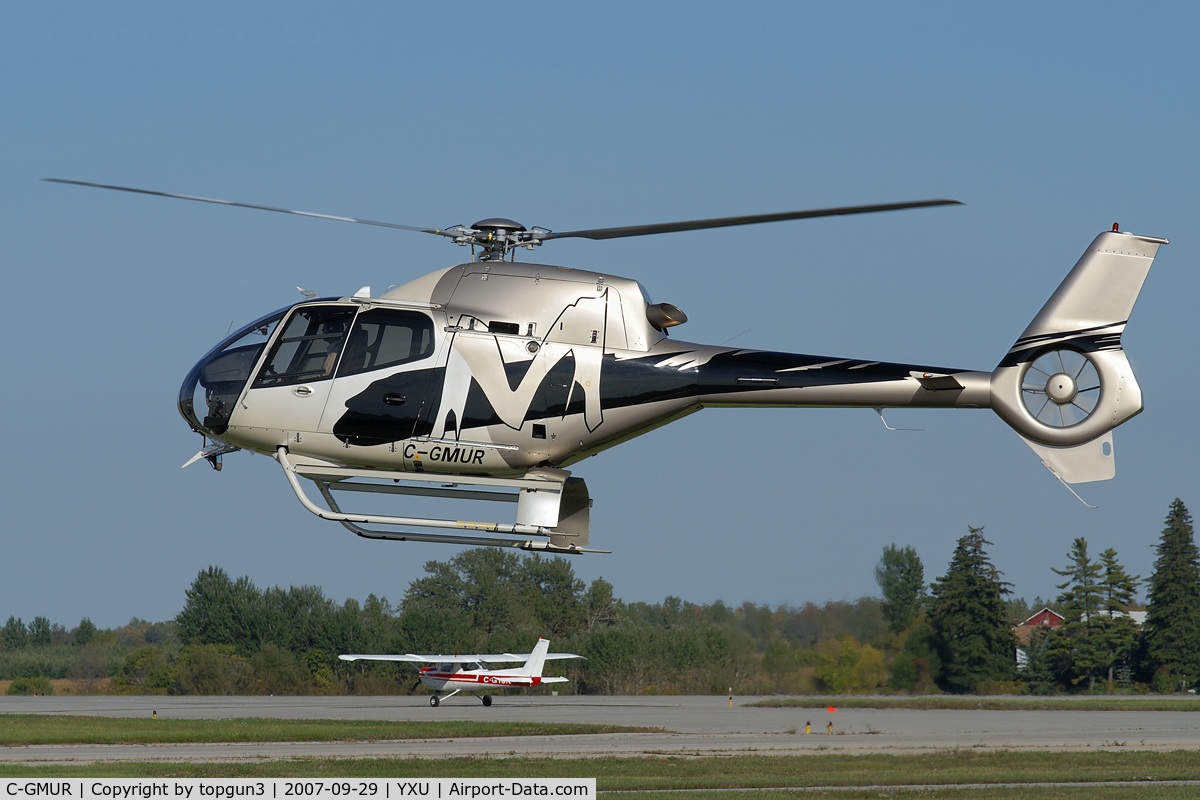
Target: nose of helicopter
{"x": 210, "y": 391}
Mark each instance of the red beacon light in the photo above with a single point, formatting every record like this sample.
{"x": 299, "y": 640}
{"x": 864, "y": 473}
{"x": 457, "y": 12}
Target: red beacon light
{"x": 1116, "y": 228}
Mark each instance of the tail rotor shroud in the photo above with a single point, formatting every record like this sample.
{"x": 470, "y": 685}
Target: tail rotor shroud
{"x": 1061, "y": 388}
{"x": 1066, "y": 382}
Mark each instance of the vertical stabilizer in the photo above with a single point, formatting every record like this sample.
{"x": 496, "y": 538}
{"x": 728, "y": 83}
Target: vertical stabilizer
{"x": 1066, "y": 382}
{"x": 537, "y": 658}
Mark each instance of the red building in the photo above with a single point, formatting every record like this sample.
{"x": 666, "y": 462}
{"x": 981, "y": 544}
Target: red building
{"x": 1044, "y": 619}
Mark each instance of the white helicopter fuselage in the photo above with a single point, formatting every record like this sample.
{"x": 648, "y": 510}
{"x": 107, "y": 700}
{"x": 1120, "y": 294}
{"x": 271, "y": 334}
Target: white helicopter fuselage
{"x": 499, "y": 374}
{"x": 493, "y": 371}
{"x": 518, "y": 365}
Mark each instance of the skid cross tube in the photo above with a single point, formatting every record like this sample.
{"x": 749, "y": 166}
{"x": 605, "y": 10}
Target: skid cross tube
{"x": 329, "y": 478}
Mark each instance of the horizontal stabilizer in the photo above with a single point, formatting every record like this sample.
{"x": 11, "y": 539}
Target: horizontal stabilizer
{"x": 1081, "y": 463}
{"x": 936, "y": 382}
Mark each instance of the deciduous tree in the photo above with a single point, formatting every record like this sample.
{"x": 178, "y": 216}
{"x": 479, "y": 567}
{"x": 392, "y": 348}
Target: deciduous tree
{"x": 40, "y": 632}
{"x": 213, "y": 669}
{"x": 601, "y": 607}
{"x": 901, "y": 578}
{"x": 15, "y": 636}
{"x": 221, "y": 611}
{"x": 846, "y": 667}
{"x": 85, "y": 632}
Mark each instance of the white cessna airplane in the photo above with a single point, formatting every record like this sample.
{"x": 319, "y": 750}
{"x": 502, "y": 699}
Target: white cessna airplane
{"x": 472, "y": 674}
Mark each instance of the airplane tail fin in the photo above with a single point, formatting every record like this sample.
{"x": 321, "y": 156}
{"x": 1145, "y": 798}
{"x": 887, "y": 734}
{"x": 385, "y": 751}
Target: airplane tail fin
{"x": 537, "y": 658}
{"x": 1066, "y": 382}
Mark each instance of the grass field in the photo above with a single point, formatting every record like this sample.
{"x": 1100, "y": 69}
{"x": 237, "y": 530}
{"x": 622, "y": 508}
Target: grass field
{"x": 961, "y": 773}
{"x": 958, "y": 773}
{"x": 26, "y": 729}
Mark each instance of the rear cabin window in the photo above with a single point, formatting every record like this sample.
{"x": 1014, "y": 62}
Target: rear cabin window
{"x": 386, "y": 338}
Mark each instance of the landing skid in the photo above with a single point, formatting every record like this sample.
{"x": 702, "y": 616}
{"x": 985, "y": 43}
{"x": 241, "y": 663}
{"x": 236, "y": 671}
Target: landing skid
{"x": 550, "y": 504}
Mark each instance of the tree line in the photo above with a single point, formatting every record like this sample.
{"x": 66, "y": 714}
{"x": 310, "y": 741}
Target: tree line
{"x": 954, "y": 634}
{"x": 962, "y": 629}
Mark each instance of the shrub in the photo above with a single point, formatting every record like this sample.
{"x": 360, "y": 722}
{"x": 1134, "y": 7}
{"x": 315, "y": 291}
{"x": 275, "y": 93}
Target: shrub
{"x": 30, "y": 686}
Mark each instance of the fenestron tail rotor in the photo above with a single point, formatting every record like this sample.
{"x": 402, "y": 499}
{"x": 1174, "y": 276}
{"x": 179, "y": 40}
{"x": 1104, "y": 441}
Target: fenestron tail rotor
{"x": 1061, "y": 388}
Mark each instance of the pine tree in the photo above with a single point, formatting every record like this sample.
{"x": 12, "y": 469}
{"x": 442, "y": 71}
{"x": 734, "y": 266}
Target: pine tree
{"x": 1120, "y": 633}
{"x": 1173, "y": 611}
{"x": 1077, "y": 645}
{"x": 970, "y": 619}
{"x": 1038, "y": 670}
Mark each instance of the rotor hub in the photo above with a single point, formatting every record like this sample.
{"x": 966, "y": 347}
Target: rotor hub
{"x": 1061, "y": 388}
{"x": 498, "y": 224}
{"x": 497, "y": 236}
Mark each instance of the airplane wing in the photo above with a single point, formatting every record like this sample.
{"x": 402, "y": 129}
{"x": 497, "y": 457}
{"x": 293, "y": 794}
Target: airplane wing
{"x": 406, "y": 657}
{"x": 430, "y": 659}
{"x": 522, "y": 656}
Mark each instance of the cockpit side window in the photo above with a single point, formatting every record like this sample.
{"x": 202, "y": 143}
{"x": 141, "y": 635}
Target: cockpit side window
{"x": 308, "y": 347}
{"x": 386, "y": 338}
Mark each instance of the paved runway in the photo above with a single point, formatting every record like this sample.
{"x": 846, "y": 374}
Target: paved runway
{"x": 694, "y": 725}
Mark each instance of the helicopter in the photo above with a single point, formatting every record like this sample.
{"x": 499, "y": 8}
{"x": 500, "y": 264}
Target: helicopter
{"x": 486, "y": 380}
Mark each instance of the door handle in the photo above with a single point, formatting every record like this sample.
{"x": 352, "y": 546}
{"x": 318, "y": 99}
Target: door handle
{"x": 394, "y": 399}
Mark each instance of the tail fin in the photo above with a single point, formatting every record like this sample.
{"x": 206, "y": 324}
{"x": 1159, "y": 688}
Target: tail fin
{"x": 1066, "y": 383}
{"x": 537, "y": 658}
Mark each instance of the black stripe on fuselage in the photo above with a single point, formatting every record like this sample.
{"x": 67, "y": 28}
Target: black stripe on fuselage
{"x": 651, "y": 379}
{"x": 1085, "y": 340}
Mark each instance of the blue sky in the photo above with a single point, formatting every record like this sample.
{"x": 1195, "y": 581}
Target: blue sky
{"x": 1050, "y": 121}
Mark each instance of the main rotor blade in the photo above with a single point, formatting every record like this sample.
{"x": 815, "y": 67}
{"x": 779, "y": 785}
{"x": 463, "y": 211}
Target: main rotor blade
{"x": 725, "y": 222}
{"x": 252, "y": 205}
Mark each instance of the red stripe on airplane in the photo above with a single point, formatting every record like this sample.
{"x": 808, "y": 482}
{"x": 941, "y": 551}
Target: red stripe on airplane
{"x": 489, "y": 680}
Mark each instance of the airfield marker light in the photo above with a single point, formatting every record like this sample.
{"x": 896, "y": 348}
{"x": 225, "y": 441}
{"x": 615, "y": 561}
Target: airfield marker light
{"x": 808, "y": 727}
{"x": 831, "y": 727}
